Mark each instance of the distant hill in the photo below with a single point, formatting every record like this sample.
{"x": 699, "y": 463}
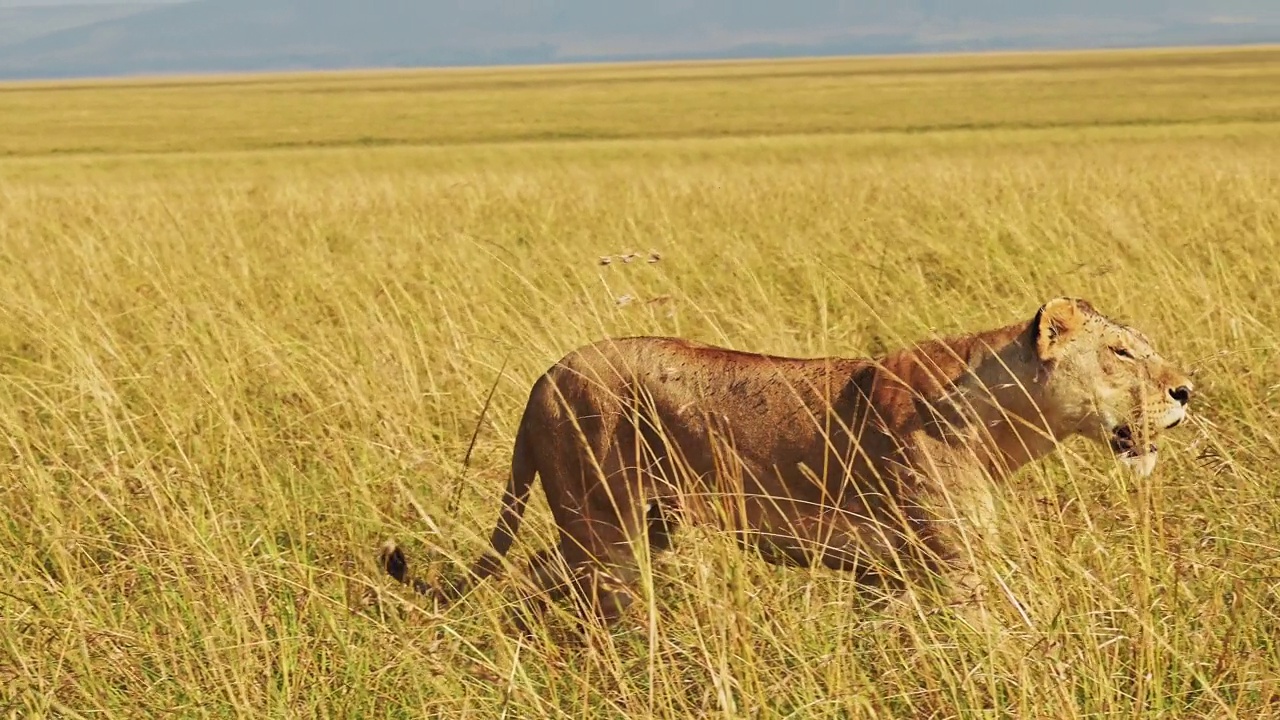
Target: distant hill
{"x": 26, "y": 22}
{"x": 249, "y": 35}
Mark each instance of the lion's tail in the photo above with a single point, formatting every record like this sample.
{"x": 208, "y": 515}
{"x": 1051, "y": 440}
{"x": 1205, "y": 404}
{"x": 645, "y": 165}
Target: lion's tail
{"x": 523, "y": 473}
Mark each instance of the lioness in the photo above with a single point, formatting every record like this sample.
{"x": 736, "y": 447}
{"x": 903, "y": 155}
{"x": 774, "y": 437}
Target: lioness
{"x": 883, "y": 466}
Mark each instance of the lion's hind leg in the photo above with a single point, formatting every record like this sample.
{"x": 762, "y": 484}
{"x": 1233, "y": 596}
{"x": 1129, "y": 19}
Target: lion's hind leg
{"x": 601, "y": 566}
{"x": 601, "y": 588}
{"x": 599, "y": 495}
{"x": 600, "y": 541}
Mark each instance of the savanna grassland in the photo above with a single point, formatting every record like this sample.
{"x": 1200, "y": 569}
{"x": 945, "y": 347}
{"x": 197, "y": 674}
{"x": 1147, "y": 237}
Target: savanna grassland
{"x": 248, "y": 325}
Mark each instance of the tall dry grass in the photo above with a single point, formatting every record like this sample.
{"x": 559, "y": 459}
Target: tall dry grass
{"x": 227, "y": 372}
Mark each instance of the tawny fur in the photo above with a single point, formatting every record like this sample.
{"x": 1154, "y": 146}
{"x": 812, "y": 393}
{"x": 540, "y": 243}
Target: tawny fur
{"x": 885, "y": 467}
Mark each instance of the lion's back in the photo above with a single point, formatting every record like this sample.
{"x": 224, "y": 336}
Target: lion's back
{"x": 676, "y": 376}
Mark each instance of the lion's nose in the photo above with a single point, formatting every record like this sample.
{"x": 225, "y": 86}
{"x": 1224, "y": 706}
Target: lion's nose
{"x": 1182, "y": 394}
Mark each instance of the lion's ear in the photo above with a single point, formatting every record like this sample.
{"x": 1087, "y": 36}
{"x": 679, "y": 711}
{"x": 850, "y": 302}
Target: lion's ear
{"x": 1056, "y": 322}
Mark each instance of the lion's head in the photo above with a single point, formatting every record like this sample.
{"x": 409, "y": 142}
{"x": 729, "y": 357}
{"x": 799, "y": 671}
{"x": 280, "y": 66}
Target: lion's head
{"x": 1107, "y": 382}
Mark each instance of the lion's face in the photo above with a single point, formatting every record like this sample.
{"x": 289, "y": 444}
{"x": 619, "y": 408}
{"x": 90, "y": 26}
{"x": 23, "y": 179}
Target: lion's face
{"x": 1108, "y": 382}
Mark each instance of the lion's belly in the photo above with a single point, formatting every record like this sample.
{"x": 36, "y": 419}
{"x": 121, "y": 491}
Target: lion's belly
{"x": 767, "y": 488}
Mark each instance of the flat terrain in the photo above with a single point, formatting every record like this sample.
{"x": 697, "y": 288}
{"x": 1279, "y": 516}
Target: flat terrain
{"x": 247, "y": 327}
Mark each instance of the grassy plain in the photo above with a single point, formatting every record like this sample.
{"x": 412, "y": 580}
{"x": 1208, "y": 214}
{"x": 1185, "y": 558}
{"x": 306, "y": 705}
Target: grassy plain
{"x": 247, "y": 326}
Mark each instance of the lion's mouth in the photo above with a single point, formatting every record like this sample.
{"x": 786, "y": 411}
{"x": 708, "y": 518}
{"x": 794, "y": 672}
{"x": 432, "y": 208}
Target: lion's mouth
{"x": 1138, "y": 456}
{"x": 1125, "y": 445}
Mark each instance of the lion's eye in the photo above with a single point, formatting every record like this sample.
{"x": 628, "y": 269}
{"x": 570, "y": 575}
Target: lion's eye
{"x": 1122, "y": 353}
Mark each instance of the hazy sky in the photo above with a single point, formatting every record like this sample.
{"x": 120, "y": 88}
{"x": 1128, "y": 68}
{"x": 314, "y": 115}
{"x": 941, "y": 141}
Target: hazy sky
{"x": 47, "y": 3}
{"x": 54, "y": 38}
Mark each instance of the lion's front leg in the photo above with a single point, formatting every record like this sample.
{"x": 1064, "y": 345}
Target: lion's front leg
{"x": 959, "y": 536}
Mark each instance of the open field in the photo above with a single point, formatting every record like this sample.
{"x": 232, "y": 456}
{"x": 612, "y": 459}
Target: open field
{"x": 247, "y": 327}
